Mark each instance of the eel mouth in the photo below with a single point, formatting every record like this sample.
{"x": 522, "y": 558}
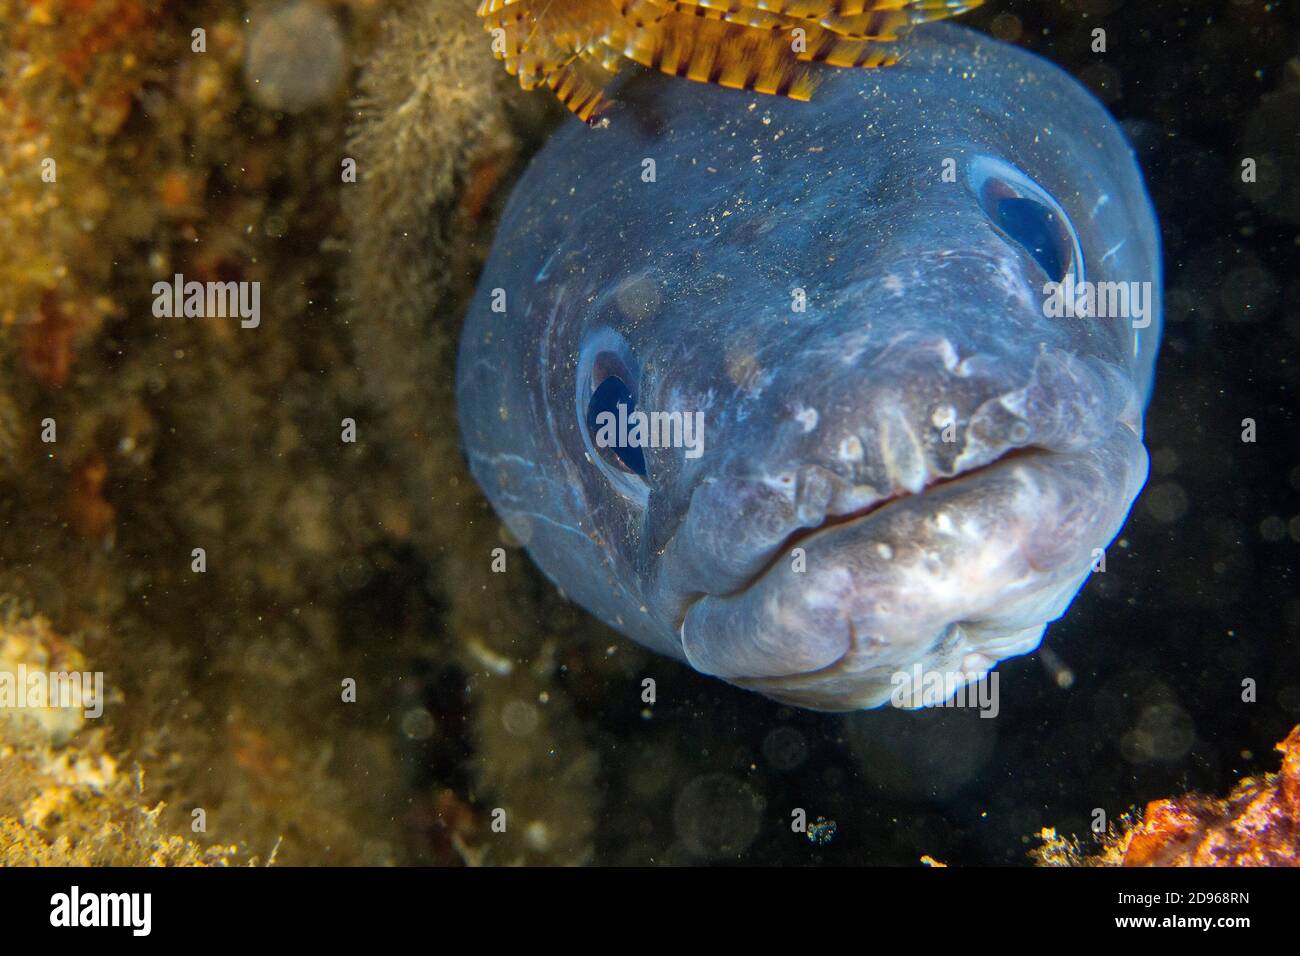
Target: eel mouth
{"x": 800, "y": 536}
{"x": 957, "y": 576}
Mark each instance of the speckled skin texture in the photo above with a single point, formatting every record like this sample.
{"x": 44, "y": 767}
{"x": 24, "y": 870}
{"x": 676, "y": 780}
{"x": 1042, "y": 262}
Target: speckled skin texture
{"x": 945, "y": 458}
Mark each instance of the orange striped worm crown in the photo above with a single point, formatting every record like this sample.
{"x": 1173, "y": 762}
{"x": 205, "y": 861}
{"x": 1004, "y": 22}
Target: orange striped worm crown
{"x": 575, "y": 46}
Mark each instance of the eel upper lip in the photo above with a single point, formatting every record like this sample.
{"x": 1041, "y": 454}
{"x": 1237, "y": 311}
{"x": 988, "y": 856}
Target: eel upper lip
{"x": 869, "y": 511}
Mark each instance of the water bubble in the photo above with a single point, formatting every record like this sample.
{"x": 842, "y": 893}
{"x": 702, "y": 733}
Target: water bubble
{"x": 1104, "y": 81}
{"x": 785, "y": 748}
{"x": 717, "y": 816}
{"x": 1248, "y": 293}
{"x": 1007, "y": 27}
{"x": 1167, "y": 502}
{"x": 296, "y": 57}
{"x": 1272, "y": 528}
{"x": 538, "y": 836}
{"x": 1164, "y": 461}
{"x": 638, "y": 298}
{"x": 1163, "y": 732}
{"x": 417, "y": 724}
{"x": 928, "y": 754}
{"x": 520, "y": 718}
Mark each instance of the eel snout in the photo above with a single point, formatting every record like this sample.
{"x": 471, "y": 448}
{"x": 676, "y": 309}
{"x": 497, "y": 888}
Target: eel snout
{"x": 954, "y": 572}
{"x": 955, "y": 578}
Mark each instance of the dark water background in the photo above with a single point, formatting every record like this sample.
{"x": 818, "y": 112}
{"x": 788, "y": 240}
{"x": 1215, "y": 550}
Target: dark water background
{"x": 1200, "y": 592}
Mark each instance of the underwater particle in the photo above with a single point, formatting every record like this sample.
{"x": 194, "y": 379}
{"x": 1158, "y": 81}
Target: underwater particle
{"x": 1289, "y": 698}
{"x": 1007, "y": 27}
{"x": 1248, "y": 293}
{"x": 275, "y": 227}
{"x": 520, "y": 718}
{"x": 48, "y": 343}
{"x": 821, "y": 831}
{"x": 89, "y": 514}
{"x": 717, "y": 816}
{"x": 417, "y": 724}
{"x": 488, "y": 659}
{"x": 1164, "y": 461}
{"x": 538, "y": 836}
{"x": 1167, "y": 502}
{"x": 1104, "y": 80}
{"x": 1270, "y": 138}
{"x": 1060, "y": 672}
{"x": 638, "y": 298}
{"x": 1272, "y": 529}
{"x": 784, "y": 748}
{"x": 928, "y": 754}
{"x": 296, "y": 57}
{"x": 1163, "y": 732}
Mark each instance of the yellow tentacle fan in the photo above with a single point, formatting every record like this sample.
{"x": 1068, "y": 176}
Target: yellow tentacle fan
{"x": 574, "y": 47}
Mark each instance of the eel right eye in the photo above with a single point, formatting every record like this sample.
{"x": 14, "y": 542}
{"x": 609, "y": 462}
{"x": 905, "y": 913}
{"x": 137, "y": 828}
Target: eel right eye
{"x": 607, "y": 387}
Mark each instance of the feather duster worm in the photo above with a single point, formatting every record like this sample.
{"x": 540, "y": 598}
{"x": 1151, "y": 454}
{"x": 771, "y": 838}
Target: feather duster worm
{"x": 574, "y": 47}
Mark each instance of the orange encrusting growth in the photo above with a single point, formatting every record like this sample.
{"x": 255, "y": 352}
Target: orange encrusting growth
{"x": 1258, "y": 824}
{"x": 768, "y": 46}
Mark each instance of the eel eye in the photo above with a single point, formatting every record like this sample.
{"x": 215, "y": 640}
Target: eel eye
{"x": 1025, "y": 214}
{"x": 606, "y": 392}
{"x": 609, "y": 421}
{"x": 1036, "y": 228}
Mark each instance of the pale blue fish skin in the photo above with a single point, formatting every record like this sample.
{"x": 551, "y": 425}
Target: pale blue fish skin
{"x": 820, "y": 547}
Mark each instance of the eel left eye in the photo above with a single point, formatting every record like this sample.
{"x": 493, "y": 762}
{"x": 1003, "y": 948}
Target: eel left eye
{"x": 1037, "y": 229}
{"x": 610, "y": 407}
